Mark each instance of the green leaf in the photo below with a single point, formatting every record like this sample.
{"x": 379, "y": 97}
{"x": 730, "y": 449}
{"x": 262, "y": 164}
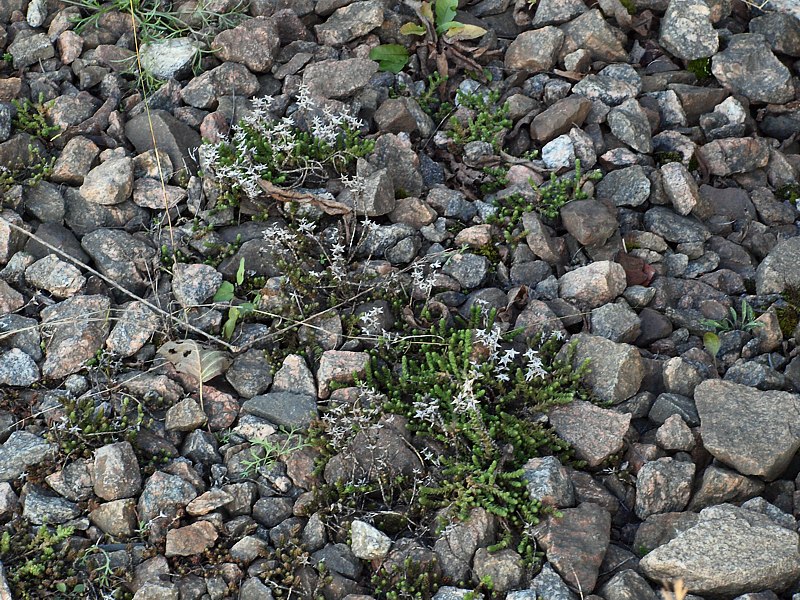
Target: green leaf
{"x": 79, "y": 588}
{"x": 230, "y": 324}
{"x": 463, "y": 32}
{"x": 61, "y": 587}
{"x": 224, "y": 293}
{"x": 240, "y": 272}
{"x": 407, "y": 29}
{"x": 445, "y": 12}
{"x": 426, "y": 11}
{"x": 711, "y": 342}
{"x": 391, "y": 57}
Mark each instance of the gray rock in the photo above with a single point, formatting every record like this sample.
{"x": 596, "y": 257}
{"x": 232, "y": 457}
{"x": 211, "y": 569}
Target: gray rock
{"x": 780, "y": 30}
{"x": 349, "y": 22}
{"x": 190, "y": 540}
{"x": 663, "y": 485}
{"x": 760, "y": 505}
{"x": 169, "y": 58}
{"x": 110, "y": 182}
{"x": 547, "y": 584}
{"x": 459, "y": 541}
{"x": 686, "y": 30}
{"x": 448, "y": 592}
{"x": 368, "y": 543}
{"x": 754, "y": 374}
{"x": 535, "y": 50}
{"x": 595, "y": 433}
{"x": 39, "y": 508}
{"x": 254, "y": 43}
{"x": 734, "y": 155}
{"x": 45, "y": 202}
{"x": 133, "y": 328}
{"x": 339, "y": 559}
{"x": 250, "y": 374}
{"x": 22, "y": 450}
{"x": 470, "y": 270}
{"x": 116, "y": 472}
{"x": 540, "y": 239}
{"x": 719, "y": 485}
{"x": 746, "y": 428}
{"x": 18, "y": 369}
{"x": 668, "y": 404}
{"x": 616, "y": 370}
{"x": 338, "y": 79}
{"x": 157, "y": 590}
{"x": 559, "y": 153}
{"x": 164, "y": 494}
{"x": 576, "y": 543}
{"x": 206, "y": 90}
{"x": 733, "y": 68}
{"x": 625, "y": 187}
{"x": 150, "y": 193}
{"x": 56, "y": 276}
{"x": 505, "y": 568}
{"x": 675, "y": 228}
{"x": 616, "y": 322}
{"x": 730, "y": 551}
{"x": 675, "y": 434}
{"x": 22, "y": 333}
{"x": 194, "y": 284}
{"x": 270, "y": 512}
{"x": 779, "y": 269}
{"x": 548, "y": 482}
{"x": 78, "y": 328}
{"x": 254, "y": 589}
{"x": 589, "y": 221}
{"x": 555, "y": 12}
{"x": 680, "y": 187}
{"x": 29, "y": 50}
{"x": 74, "y": 481}
{"x": 186, "y": 415}
{"x": 628, "y": 585}
{"x": 116, "y": 518}
{"x": 283, "y": 408}
{"x": 121, "y": 257}
{"x": 559, "y": 118}
{"x": 172, "y": 136}
{"x": 628, "y": 122}
{"x": 593, "y": 285}
{"x": 591, "y": 32}
{"x": 608, "y": 90}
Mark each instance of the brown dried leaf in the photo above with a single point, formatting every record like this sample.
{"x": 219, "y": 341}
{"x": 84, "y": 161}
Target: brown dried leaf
{"x": 326, "y": 205}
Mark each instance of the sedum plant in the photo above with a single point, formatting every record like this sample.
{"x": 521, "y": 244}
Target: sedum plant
{"x": 288, "y": 152}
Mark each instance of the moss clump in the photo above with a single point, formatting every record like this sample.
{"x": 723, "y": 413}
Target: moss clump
{"x": 789, "y": 313}
{"x": 700, "y": 68}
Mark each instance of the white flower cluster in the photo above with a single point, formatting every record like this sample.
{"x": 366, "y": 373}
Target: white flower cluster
{"x": 343, "y": 420}
{"x": 283, "y": 136}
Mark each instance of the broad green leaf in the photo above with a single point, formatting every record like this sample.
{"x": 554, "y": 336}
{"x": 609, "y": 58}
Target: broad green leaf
{"x": 61, "y": 587}
{"x": 464, "y": 32}
{"x": 193, "y": 359}
{"x": 224, "y": 293}
{"x": 445, "y": 12}
{"x": 711, "y": 342}
{"x": 407, "y": 29}
{"x": 390, "y": 57}
{"x": 240, "y": 272}
{"x": 230, "y": 324}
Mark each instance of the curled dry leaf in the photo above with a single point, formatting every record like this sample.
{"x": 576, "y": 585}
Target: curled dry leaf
{"x": 191, "y": 358}
{"x": 326, "y": 205}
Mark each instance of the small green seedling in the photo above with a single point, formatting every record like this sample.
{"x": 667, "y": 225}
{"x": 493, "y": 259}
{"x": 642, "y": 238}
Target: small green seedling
{"x": 225, "y": 293}
{"x": 743, "y": 321}
{"x": 437, "y": 22}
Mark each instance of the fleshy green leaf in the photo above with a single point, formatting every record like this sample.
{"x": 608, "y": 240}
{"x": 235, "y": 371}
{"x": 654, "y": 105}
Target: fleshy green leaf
{"x": 407, "y": 29}
{"x": 445, "y": 12}
{"x": 711, "y": 342}
{"x": 464, "y": 32}
{"x": 391, "y": 57}
{"x": 224, "y": 293}
{"x": 240, "y": 272}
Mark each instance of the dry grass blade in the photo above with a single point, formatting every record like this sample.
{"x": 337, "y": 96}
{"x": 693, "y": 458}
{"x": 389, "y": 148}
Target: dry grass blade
{"x": 678, "y": 592}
